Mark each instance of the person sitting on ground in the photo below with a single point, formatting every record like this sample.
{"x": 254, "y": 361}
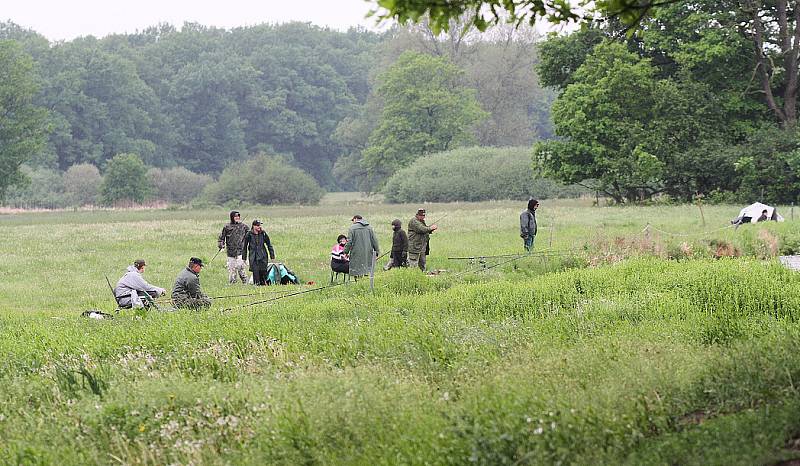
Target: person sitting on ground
{"x": 259, "y": 247}
{"x": 186, "y": 293}
{"x": 340, "y": 262}
{"x": 362, "y": 247}
{"x": 133, "y": 291}
{"x": 399, "y": 255}
{"x": 763, "y": 216}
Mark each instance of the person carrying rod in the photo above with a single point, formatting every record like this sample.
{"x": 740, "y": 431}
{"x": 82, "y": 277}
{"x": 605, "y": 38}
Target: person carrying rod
{"x": 232, "y": 239}
{"x": 419, "y": 237}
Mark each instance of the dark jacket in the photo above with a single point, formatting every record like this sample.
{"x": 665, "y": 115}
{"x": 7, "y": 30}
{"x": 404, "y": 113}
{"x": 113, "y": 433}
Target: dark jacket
{"x": 418, "y": 236}
{"x": 361, "y": 245}
{"x": 527, "y": 223}
{"x": 399, "y": 241}
{"x": 187, "y": 292}
{"x": 256, "y": 246}
{"x": 232, "y": 238}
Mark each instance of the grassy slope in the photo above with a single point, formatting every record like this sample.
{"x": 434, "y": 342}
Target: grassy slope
{"x": 648, "y": 361}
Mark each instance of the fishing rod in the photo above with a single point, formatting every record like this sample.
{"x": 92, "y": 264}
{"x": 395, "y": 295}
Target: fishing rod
{"x": 545, "y": 252}
{"x": 284, "y": 296}
{"x": 249, "y": 294}
{"x": 484, "y": 267}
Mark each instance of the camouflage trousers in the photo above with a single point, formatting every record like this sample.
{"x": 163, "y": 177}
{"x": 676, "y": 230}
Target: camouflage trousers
{"x": 236, "y": 269}
{"x": 417, "y": 260}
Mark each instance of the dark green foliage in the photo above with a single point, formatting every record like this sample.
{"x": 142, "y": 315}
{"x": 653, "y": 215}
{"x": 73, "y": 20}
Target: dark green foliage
{"x": 125, "y": 180}
{"x": 263, "y": 180}
{"x": 22, "y": 124}
{"x": 473, "y": 174}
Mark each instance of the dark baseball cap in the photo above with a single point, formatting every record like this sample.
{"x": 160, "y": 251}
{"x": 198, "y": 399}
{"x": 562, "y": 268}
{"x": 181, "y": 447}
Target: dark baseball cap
{"x": 196, "y": 260}
{"x": 420, "y": 211}
{"x": 257, "y": 222}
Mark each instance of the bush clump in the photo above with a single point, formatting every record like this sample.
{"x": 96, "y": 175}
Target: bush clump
{"x": 177, "y": 185}
{"x": 263, "y": 180}
{"x": 473, "y": 174}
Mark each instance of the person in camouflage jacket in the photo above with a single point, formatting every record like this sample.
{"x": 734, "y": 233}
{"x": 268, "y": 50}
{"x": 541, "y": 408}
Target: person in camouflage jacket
{"x": 232, "y": 239}
{"x": 418, "y": 240}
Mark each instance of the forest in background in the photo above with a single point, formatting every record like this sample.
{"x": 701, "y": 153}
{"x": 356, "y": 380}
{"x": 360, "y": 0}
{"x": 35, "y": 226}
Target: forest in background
{"x": 203, "y": 99}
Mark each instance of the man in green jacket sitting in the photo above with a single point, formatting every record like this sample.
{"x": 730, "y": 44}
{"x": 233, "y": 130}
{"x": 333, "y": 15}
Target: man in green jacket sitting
{"x": 419, "y": 236}
{"x": 186, "y": 293}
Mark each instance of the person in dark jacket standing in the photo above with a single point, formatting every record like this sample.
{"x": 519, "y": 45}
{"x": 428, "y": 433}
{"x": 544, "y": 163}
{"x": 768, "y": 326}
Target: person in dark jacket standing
{"x": 527, "y": 224}
{"x": 419, "y": 236}
{"x": 259, "y": 247}
{"x": 186, "y": 293}
{"x": 362, "y": 247}
{"x": 399, "y": 254}
{"x": 232, "y": 239}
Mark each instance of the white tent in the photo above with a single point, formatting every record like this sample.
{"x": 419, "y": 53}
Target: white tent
{"x": 752, "y": 213}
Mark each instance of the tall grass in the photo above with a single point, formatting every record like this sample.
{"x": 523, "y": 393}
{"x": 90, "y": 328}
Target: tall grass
{"x": 540, "y": 361}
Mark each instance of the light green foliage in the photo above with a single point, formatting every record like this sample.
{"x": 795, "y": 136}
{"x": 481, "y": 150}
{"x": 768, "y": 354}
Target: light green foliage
{"x": 426, "y": 109}
{"x": 263, "y": 180}
{"x": 473, "y": 174}
{"x": 125, "y": 180}
{"x": 177, "y": 185}
{"x": 647, "y": 361}
{"x": 22, "y": 123}
{"x": 42, "y": 188}
{"x": 82, "y": 184}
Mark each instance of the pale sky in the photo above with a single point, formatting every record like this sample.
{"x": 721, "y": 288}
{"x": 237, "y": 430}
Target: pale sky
{"x": 68, "y": 19}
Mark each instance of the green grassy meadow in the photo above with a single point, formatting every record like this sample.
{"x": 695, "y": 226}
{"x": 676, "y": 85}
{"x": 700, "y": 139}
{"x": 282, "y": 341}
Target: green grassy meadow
{"x": 612, "y": 344}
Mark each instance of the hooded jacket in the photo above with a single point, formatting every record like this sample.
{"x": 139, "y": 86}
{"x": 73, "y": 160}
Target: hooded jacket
{"x": 361, "y": 245}
{"x": 133, "y": 281}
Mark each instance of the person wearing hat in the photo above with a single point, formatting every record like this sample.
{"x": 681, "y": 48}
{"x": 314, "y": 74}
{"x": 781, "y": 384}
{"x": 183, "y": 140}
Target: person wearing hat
{"x": 232, "y": 239}
{"x": 186, "y": 293}
{"x": 257, "y": 249}
{"x": 133, "y": 291}
{"x": 362, "y": 247}
{"x": 527, "y": 224}
{"x": 399, "y": 254}
{"x": 419, "y": 237}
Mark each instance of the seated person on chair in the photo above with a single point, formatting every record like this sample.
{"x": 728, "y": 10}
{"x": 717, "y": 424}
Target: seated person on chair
{"x": 340, "y": 262}
{"x": 133, "y": 291}
{"x": 186, "y": 292}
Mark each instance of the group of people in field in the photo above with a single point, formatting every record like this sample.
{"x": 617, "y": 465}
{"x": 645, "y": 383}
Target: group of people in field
{"x": 354, "y": 254}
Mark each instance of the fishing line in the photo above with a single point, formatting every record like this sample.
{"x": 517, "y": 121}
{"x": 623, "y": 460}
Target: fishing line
{"x": 284, "y": 296}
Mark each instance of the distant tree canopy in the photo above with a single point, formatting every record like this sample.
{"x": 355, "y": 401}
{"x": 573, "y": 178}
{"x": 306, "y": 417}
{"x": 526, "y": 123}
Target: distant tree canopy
{"x": 426, "y": 109}
{"x": 22, "y": 124}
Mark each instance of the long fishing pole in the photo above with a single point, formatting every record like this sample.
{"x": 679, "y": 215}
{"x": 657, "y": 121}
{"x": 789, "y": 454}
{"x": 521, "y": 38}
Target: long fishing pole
{"x": 249, "y": 294}
{"x": 284, "y": 296}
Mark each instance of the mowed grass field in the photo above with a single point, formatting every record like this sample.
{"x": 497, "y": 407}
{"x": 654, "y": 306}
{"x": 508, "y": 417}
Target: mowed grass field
{"x": 613, "y": 343}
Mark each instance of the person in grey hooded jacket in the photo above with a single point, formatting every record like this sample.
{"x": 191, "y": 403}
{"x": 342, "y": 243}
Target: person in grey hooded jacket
{"x": 362, "y": 246}
{"x": 527, "y": 224}
{"x": 132, "y": 287}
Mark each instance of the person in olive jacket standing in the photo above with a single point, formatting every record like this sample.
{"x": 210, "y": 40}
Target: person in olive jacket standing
{"x": 362, "y": 247}
{"x": 257, "y": 243}
{"x": 399, "y": 255}
{"x": 418, "y": 240}
{"x": 186, "y": 293}
{"x": 231, "y": 239}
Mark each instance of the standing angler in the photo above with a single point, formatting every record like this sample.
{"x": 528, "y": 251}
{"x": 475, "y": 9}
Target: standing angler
{"x": 399, "y": 255}
{"x": 527, "y": 224}
{"x": 419, "y": 236}
{"x": 232, "y": 239}
{"x": 362, "y": 247}
{"x": 259, "y": 249}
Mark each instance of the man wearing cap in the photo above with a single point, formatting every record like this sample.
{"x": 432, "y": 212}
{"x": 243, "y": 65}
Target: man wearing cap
{"x": 399, "y": 254}
{"x": 186, "y": 293}
{"x": 259, "y": 247}
{"x": 232, "y": 239}
{"x": 133, "y": 291}
{"x": 419, "y": 236}
{"x": 362, "y": 246}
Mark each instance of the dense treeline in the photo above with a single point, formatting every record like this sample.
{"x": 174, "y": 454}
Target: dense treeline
{"x": 204, "y": 98}
{"x": 701, "y": 100}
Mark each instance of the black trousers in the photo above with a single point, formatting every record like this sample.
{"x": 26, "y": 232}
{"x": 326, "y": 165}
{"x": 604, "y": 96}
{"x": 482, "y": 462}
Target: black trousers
{"x": 260, "y": 274}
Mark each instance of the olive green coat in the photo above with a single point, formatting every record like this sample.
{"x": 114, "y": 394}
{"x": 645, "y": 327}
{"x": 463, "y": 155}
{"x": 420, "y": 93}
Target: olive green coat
{"x": 361, "y": 245}
{"x": 418, "y": 236}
